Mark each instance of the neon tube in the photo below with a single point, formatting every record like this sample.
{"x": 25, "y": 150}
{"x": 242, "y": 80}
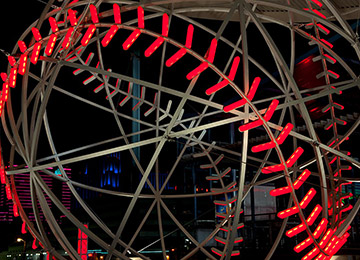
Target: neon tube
{"x": 50, "y": 45}
{"x": 288, "y": 212}
{"x": 308, "y": 197}
{"x": 284, "y": 133}
{"x": 212, "y": 51}
{"x": 177, "y": 56}
{"x": 72, "y": 17}
{"x": 53, "y": 24}
{"x": 320, "y": 228}
{"x": 189, "y": 36}
{"x": 131, "y": 39}
{"x": 117, "y": 14}
{"x": 154, "y": 46}
{"x": 36, "y": 33}
{"x": 109, "y": 35}
{"x": 94, "y": 14}
{"x": 12, "y": 78}
{"x": 89, "y": 33}
{"x": 140, "y": 12}
{"x": 22, "y": 46}
{"x": 165, "y": 25}
{"x": 22, "y": 64}
{"x": 11, "y": 60}
{"x": 280, "y": 191}
{"x": 67, "y": 38}
{"x": 304, "y": 244}
{"x": 301, "y": 179}
{"x": 35, "y": 53}
{"x": 199, "y": 69}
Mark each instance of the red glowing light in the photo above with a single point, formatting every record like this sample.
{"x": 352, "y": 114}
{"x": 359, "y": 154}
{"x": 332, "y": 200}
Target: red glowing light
{"x": 154, "y": 46}
{"x": 165, "y": 25}
{"x": 23, "y": 228}
{"x": 323, "y": 28}
{"x": 189, "y": 36}
{"x": 199, "y": 69}
{"x": 22, "y": 64}
{"x": 317, "y": 2}
{"x": 313, "y": 215}
{"x": 263, "y": 147}
{"x": 34, "y": 246}
{"x": 284, "y": 133}
{"x": 89, "y": 33}
{"x": 94, "y": 14}
{"x": 36, "y": 33}
{"x": 179, "y": 54}
{"x": 11, "y": 60}
{"x": 212, "y": 50}
{"x": 117, "y": 15}
{"x": 250, "y": 125}
{"x": 51, "y": 44}
{"x": 67, "y": 38}
{"x": 109, "y": 35}
{"x": 308, "y": 197}
{"x": 8, "y": 192}
{"x": 327, "y": 43}
{"x": 15, "y": 210}
{"x": 333, "y": 74}
{"x": 296, "y": 230}
{"x": 289, "y": 163}
{"x": 72, "y": 17}
{"x": 304, "y": 244}
{"x": 12, "y": 78}
{"x": 5, "y": 92}
{"x": 140, "y": 12}
{"x": 280, "y": 191}
{"x": 22, "y": 46}
{"x": 319, "y": 13}
{"x": 35, "y": 53}
{"x": 131, "y": 39}
{"x": 320, "y": 228}
{"x": 53, "y": 24}
{"x": 250, "y": 96}
{"x": 2, "y": 173}
{"x": 270, "y": 111}
{"x": 311, "y": 254}
{"x": 326, "y": 238}
{"x": 217, "y": 87}
{"x": 288, "y": 212}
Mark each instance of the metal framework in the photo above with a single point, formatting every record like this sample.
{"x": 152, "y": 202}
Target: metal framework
{"x": 186, "y": 110}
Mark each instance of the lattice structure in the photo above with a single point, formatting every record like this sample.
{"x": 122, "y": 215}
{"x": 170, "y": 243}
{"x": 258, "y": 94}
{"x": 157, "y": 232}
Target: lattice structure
{"x": 79, "y": 38}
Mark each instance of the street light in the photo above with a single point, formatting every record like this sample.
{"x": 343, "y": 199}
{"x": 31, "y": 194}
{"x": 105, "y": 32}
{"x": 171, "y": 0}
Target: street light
{"x": 19, "y": 239}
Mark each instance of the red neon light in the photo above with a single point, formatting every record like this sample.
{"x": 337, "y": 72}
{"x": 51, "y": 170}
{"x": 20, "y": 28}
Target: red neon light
{"x": 179, "y": 54}
{"x": 15, "y": 210}
{"x": 12, "y": 78}
{"x": 212, "y": 51}
{"x": 154, "y": 46}
{"x": 317, "y": 2}
{"x": 311, "y": 254}
{"x": 280, "y": 191}
{"x": 217, "y": 87}
{"x": 270, "y": 111}
{"x": 289, "y": 163}
{"x": 284, "y": 133}
{"x": 50, "y": 45}
{"x": 2, "y": 175}
{"x": 35, "y": 53}
{"x": 89, "y": 33}
{"x": 288, "y": 212}
{"x": 53, "y": 24}
{"x": 22, "y": 46}
{"x": 67, "y": 38}
{"x": 320, "y": 228}
{"x": 319, "y": 13}
{"x": 22, "y": 64}
{"x": 199, "y": 69}
{"x": 8, "y": 192}
{"x": 323, "y": 28}
{"x": 326, "y": 238}
{"x": 327, "y": 43}
{"x": 3, "y": 76}
{"x": 140, "y": 12}
{"x": 189, "y": 36}
{"x": 250, "y": 95}
{"x": 234, "y": 68}
{"x": 313, "y": 215}
{"x": 94, "y": 14}
{"x": 23, "y": 228}
{"x": 117, "y": 14}
{"x": 250, "y": 125}
{"x": 36, "y": 33}
{"x": 304, "y": 244}
{"x": 334, "y": 74}
{"x": 296, "y": 230}
{"x": 109, "y": 35}
{"x": 131, "y": 39}
{"x": 165, "y": 25}
{"x": 72, "y": 17}
{"x": 293, "y": 158}
{"x": 308, "y": 197}
{"x": 34, "y": 246}
{"x": 5, "y": 92}
{"x": 11, "y": 60}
